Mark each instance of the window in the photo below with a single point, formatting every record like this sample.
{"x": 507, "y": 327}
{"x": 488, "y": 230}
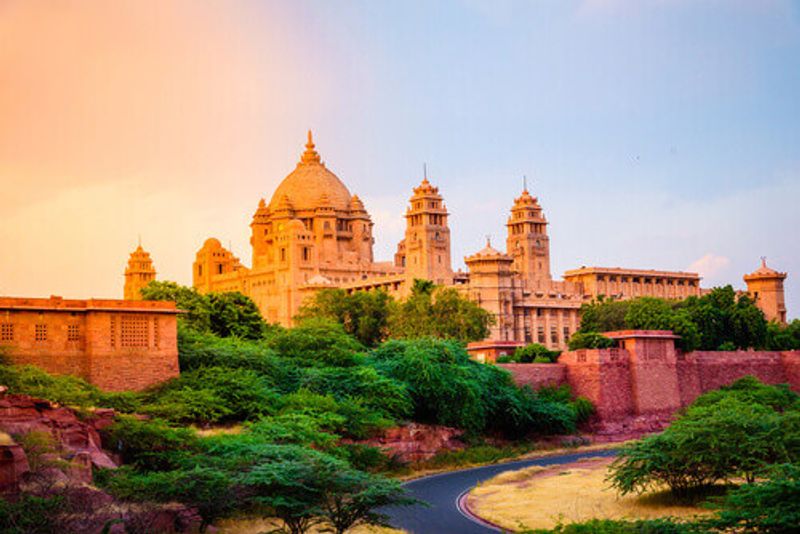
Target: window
{"x": 112, "y": 332}
{"x": 133, "y": 331}
{"x": 283, "y": 254}
{"x": 553, "y": 335}
{"x": 156, "y": 332}
{"x": 73, "y": 332}
{"x": 219, "y": 268}
{"x": 7, "y": 332}
{"x": 306, "y": 254}
{"x": 199, "y": 270}
{"x": 40, "y": 332}
{"x": 566, "y": 333}
{"x": 540, "y": 334}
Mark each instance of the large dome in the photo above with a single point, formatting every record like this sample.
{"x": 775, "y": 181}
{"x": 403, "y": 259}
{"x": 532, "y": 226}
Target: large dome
{"x": 306, "y": 186}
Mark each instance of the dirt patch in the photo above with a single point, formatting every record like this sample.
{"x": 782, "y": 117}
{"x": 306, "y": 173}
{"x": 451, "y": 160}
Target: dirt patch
{"x": 542, "y": 497}
{"x": 249, "y": 526}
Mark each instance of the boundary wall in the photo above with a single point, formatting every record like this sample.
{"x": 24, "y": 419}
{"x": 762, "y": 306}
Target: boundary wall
{"x": 645, "y": 375}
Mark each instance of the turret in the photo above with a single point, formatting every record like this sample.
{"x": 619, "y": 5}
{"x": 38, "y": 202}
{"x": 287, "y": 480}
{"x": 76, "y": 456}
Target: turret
{"x": 527, "y": 240}
{"x": 426, "y": 247}
{"x": 211, "y": 261}
{"x": 765, "y": 287}
{"x": 138, "y": 273}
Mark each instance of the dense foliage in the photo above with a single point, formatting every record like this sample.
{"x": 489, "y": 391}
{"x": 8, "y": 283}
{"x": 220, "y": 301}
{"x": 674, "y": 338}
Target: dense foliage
{"x": 718, "y": 320}
{"x": 374, "y": 316}
{"x": 286, "y": 403}
{"x": 738, "y": 431}
{"x": 532, "y": 353}
{"x": 224, "y": 314}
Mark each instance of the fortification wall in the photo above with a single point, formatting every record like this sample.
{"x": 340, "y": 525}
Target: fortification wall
{"x": 537, "y": 375}
{"x": 650, "y": 379}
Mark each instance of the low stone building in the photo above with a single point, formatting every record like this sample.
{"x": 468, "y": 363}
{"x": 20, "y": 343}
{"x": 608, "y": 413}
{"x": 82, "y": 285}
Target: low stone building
{"x": 114, "y": 344}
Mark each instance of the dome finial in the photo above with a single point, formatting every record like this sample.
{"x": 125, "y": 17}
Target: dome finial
{"x": 310, "y": 155}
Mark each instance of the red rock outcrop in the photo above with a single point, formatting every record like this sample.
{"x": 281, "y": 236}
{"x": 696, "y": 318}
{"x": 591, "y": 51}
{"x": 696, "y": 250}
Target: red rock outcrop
{"x": 21, "y": 414}
{"x": 417, "y": 442}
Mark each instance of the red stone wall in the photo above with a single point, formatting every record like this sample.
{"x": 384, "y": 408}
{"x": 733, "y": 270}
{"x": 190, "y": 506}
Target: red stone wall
{"x": 537, "y": 375}
{"x": 603, "y": 376}
{"x": 114, "y": 344}
{"x": 716, "y": 369}
{"x": 649, "y": 378}
{"x": 791, "y": 365}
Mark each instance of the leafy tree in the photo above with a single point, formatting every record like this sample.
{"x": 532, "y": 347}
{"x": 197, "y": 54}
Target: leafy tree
{"x": 150, "y": 445}
{"x": 589, "y": 340}
{"x": 317, "y": 342}
{"x": 352, "y": 497}
{"x": 726, "y": 434}
{"x": 196, "y": 306}
{"x": 224, "y": 314}
{"x": 532, "y": 353}
{"x": 440, "y": 312}
{"x": 363, "y": 314}
{"x": 604, "y": 315}
{"x": 780, "y": 337}
{"x": 769, "y": 506}
{"x": 648, "y": 313}
{"x": 233, "y": 314}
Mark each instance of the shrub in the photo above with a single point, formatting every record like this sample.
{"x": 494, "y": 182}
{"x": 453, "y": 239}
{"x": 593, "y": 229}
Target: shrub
{"x": 318, "y": 342}
{"x": 149, "y": 445}
{"x": 532, "y": 353}
{"x": 771, "y": 506}
{"x": 213, "y": 395}
{"x": 197, "y": 350}
{"x": 589, "y": 340}
{"x": 610, "y": 526}
{"x": 375, "y": 391}
{"x": 750, "y": 390}
{"x": 30, "y": 380}
{"x": 30, "y": 515}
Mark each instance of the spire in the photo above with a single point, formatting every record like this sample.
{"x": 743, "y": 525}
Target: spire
{"x": 764, "y": 261}
{"x": 524, "y": 184}
{"x": 310, "y": 155}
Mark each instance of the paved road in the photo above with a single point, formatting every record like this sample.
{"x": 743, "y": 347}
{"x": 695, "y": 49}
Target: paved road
{"x": 443, "y": 491}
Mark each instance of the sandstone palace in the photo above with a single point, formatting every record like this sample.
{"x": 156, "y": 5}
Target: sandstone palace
{"x": 314, "y": 234}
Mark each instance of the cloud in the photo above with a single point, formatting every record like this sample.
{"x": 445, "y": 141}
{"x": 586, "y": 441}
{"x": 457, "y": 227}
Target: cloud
{"x": 710, "y": 266}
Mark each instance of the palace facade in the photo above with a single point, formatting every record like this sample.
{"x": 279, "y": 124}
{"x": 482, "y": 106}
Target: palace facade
{"x": 314, "y": 234}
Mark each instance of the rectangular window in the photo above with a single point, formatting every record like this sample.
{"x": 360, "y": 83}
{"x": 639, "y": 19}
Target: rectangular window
{"x": 566, "y": 333}
{"x": 73, "y": 332}
{"x": 133, "y": 331}
{"x": 540, "y": 334}
{"x": 112, "y": 332}
{"x": 283, "y": 254}
{"x": 306, "y": 254}
{"x": 7, "y": 332}
{"x": 40, "y": 332}
{"x": 156, "y": 332}
{"x": 553, "y": 335}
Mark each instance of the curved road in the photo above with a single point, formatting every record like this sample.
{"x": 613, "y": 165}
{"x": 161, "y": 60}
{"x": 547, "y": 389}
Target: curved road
{"x": 442, "y": 492}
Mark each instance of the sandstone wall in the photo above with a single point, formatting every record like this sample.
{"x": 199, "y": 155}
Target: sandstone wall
{"x": 537, "y": 375}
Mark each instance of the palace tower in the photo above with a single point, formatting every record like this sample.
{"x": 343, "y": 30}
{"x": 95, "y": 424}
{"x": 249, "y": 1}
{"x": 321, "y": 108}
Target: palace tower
{"x": 527, "y": 240}
{"x": 138, "y": 274}
{"x": 765, "y": 287}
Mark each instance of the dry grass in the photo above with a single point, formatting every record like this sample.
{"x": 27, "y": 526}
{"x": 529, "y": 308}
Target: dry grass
{"x": 255, "y": 526}
{"x": 542, "y": 497}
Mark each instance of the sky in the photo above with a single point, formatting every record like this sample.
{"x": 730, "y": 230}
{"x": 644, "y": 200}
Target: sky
{"x": 658, "y": 134}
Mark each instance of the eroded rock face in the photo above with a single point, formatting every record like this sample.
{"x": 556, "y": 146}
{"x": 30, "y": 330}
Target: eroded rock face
{"x": 21, "y": 414}
{"x": 416, "y": 442}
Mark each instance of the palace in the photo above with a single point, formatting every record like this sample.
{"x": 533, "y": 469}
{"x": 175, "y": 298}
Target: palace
{"x": 314, "y": 234}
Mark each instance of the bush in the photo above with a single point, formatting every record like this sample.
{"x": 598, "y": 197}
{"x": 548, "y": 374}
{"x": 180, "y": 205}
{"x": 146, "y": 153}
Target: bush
{"x": 713, "y": 441}
{"x": 610, "y": 526}
{"x": 750, "y": 390}
{"x": 30, "y": 515}
{"x": 30, "y": 380}
{"x": 213, "y": 395}
{"x": 198, "y": 350}
{"x": 589, "y": 340}
{"x": 532, "y": 353}
{"x": 149, "y": 445}
{"x": 318, "y": 342}
{"x": 771, "y": 506}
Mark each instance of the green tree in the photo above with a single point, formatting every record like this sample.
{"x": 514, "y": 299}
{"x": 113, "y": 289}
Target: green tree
{"x": 432, "y": 311}
{"x": 318, "y": 342}
{"x": 196, "y": 306}
{"x": 589, "y": 340}
{"x": 648, "y": 313}
{"x": 233, "y": 314}
{"x": 604, "y": 315}
{"x": 533, "y": 353}
{"x": 363, "y": 314}
{"x": 770, "y": 506}
{"x": 351, "y": 498}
